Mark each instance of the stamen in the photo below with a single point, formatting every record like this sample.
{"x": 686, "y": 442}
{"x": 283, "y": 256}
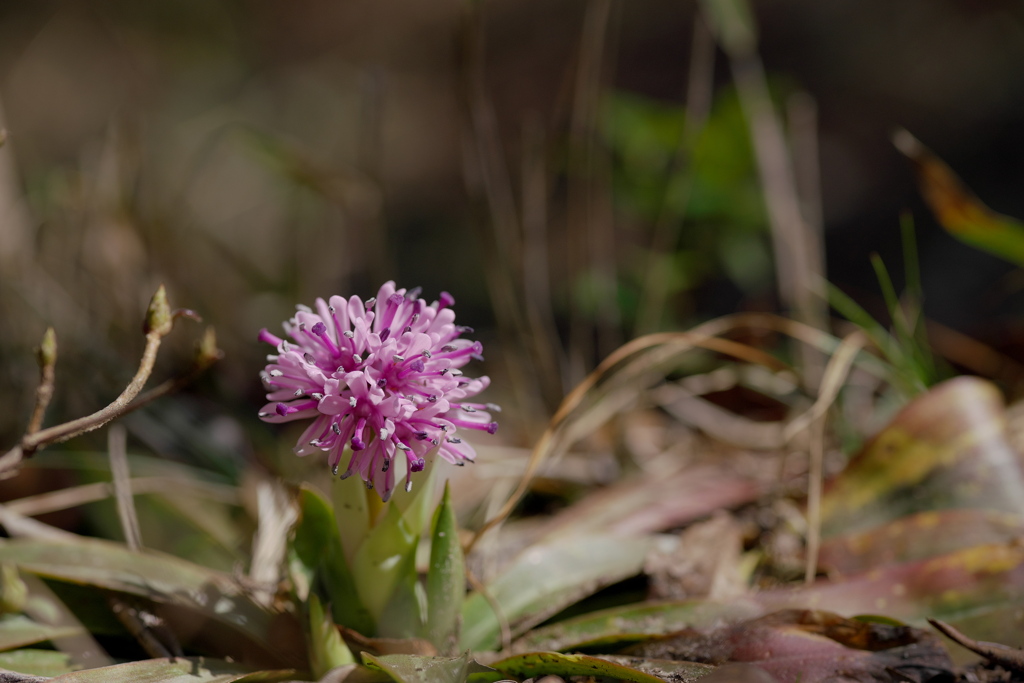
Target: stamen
{"x": 308, "y": 357}
{"x": 414, "y": 293}
{"x": 493, "y": 407}
{"x": 352, "y": 401}
{"x": 371, "y": 302}
{"x": 349, "y": 334}
{"x": 385, "y": 333}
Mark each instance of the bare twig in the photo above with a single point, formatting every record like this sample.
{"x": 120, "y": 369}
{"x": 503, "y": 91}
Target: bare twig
{"x": 159, "y": 322}
{"x": 1009, "y": 657}
{"x": 47, "y": 356}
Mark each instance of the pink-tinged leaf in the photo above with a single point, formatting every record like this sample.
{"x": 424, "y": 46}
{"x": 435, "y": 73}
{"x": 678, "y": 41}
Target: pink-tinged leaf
{"x": 959, "y": 584}
{"x": 917, "y": 537}
{"x": 810, "y": 646}
{"x": 946, "y": 449}
{"x": 612, "y": 628}
{"x": 655, "y": 503}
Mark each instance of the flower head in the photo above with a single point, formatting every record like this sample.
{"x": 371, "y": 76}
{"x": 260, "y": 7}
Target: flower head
{"x": 380, "y": 378}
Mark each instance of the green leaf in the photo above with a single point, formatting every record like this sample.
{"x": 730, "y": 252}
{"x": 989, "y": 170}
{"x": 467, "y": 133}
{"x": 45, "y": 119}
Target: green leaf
{"x": 318, "y": 560}
{"x": 547, "y": 578}
{"x": 385, "y": 572}
{"x": 176, "y": 670}
{"x": 537, "y": 664}
{"x": 327, "y": 649}
{"x": 18, "y": 631}
{"x": 418, "y": 669}
{"x": 384, "y": 567}
{"x": 446, "y": 579}
{"x": 351, "y": 514}
{"x": 158, "y": 577}
{"x": 37, "y": 662}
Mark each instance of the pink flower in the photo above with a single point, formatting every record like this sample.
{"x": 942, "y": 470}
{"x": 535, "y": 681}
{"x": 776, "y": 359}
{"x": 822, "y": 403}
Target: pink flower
{"x": 380, "y": 378}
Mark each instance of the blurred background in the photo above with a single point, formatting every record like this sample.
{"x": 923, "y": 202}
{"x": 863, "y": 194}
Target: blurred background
{"x": 574, "y": 172}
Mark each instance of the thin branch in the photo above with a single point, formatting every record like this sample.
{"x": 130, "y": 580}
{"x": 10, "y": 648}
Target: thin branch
{"x": 159, "y": 322}
{"x": 44, "y": 392}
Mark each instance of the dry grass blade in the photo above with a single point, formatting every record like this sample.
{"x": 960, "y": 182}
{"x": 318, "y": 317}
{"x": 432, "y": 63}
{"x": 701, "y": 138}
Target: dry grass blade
{"x": 719, "y": 423}
{"x": 117, "y": 443}
{"x": 624, "y": 372}
{"x": 651, "y": 353}
{"x": 276, "y": 515}
{"x": 18, "y": 526}
{"x": 667, "y": 225}
{"x": 836, "y": 371}
{"x": 46, "y": 608}
{"x": 31, "y": 506}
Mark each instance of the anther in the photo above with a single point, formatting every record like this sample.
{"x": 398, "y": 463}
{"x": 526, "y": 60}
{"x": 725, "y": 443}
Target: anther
{"x": 352, "y": 401}
{"x": 349, "y": 334}
{"x": 309, "y": 358}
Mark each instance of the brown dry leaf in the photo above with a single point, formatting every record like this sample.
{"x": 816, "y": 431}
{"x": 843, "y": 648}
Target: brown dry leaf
{"x": 705, "y": 562}
{"x": 357, "y": 642}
